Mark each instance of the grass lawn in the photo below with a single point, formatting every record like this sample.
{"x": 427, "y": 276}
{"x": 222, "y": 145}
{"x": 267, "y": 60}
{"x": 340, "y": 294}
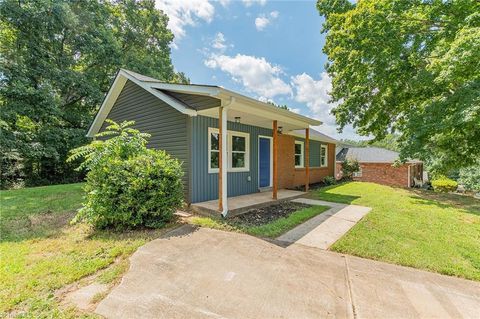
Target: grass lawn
{"x": 40, "y": 252}
{"x": 421, "y": 229}
{"x": 270, "y": 230}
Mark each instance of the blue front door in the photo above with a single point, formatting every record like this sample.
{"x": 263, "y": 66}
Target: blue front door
{"x": 264, "y": 162}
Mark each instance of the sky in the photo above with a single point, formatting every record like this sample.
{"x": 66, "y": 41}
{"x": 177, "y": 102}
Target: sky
{"x": 268, "y": 50}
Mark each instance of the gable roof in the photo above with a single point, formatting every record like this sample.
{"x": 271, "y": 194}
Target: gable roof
{"x": 369, "y": 155}
{"x": 174, "y": 95}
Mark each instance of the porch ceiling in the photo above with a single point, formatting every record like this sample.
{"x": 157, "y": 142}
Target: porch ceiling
{"x": 251, "y": 116}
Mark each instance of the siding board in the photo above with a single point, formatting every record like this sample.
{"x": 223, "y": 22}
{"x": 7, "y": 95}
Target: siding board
{"x": 167, "y": 126}
{"x": 205, "y": 185}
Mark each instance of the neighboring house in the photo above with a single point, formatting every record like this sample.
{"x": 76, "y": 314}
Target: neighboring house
{"x": 376, "y": 165}
{"x": 229, "y": 144}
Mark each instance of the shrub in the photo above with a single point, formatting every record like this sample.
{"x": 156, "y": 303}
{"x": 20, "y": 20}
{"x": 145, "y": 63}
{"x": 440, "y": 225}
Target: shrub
{"x": 128, "y": 185}
{"x": 349, "y": 167}
{"x": 444, "y": 184}
{"x": 329, "y": 180}
{"x": 470, "y": 177}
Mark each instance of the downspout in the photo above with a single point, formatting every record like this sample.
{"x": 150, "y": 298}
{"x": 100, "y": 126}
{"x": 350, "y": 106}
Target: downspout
{"x": 224, "y": 107}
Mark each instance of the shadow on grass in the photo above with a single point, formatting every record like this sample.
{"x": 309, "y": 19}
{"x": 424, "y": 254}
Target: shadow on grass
{"x": 444, "y": 200}
{"x": 54, "y": 225}
{"x": 323, "y": 193}
{"x": 35, "y": 226}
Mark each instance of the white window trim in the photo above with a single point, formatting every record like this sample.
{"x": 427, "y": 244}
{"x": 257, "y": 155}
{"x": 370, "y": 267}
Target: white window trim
{"x": 302, "y": 157}
{"x": 229, "y": 151}
{"x": 324, "y": 146}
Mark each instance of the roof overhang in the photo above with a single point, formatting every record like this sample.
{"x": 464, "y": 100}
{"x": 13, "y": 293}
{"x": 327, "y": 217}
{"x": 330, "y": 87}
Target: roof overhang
{"x": 253, "y": 112}
{"x": 243, "y": 104}
{"x": 115, "y": 90}
{"x": 315, "y": 135}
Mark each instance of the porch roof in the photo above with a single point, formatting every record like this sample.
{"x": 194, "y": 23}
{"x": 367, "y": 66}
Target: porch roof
{"x": 240, "y": 107}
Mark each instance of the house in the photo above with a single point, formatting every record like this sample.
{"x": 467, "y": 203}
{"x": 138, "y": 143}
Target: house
{"x": 229, "y": 144}
{"x": 376, "y": 165}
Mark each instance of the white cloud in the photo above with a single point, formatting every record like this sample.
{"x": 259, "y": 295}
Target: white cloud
{"x": 296, "y": 110}
{"x": 249, "y": 3}
{"x": 219, "y": 42}
{"x": 182, "y": 13}
{"x": 257, "y": 75}
{"x": 224, "y": 3}
{"x": 263, "y": 20}
{"x": 315, "y": 94}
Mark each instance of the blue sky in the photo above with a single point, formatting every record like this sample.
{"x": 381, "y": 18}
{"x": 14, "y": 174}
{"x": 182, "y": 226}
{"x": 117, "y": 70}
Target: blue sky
{"x": 269, "y": 50}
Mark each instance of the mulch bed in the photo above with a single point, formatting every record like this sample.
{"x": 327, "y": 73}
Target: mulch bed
{"x": 265, "y": 215}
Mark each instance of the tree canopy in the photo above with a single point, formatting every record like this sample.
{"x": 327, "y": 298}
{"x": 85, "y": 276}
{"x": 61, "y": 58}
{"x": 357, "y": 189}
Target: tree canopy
{"x": 57, "y": 59}
{"x": 410, "y": 68}
{"x": 390, "y": 142}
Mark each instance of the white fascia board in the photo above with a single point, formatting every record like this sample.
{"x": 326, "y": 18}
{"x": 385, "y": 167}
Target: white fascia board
{"x": 179, "y": 106}
{"x": 114, "y": 92}
{"x": 186, "y": 88}
{"x": 314, "y": 138}
{"x": 107, "y": 104}
{"x": 224, "y": 93}
{"x": 253, "y": 109}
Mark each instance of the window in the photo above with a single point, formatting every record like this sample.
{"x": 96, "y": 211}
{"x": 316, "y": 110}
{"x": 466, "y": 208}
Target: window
{"x": 357, "y": 173}
{"x": 323, "y": 155}
{"x": 298, "y": 154}
{"x": 214, "y": 147}
{"x": 238, "y": 151}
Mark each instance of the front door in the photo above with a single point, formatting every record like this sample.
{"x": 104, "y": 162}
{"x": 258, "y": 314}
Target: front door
{"x": 264, "y": 162}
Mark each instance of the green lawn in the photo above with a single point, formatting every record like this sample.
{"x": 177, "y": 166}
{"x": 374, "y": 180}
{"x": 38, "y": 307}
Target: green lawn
{"x": 40, "y": 252}
{"x": 421, "y": 229}
{"x": 32, "y": 212}
{"x": 270, "y": 230}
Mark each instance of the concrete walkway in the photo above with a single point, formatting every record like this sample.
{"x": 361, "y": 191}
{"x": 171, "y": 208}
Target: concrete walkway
{"x": 205, "y": 273}
{"x": 325, "y": 229}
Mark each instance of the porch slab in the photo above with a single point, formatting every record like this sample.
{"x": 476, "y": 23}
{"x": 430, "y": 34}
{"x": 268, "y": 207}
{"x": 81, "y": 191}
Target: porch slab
{"x": 240, "y": 204}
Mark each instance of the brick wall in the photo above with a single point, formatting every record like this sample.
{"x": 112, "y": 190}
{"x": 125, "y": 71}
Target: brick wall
{"x": 288, "y": 175}
{"x": 381, "y": 173}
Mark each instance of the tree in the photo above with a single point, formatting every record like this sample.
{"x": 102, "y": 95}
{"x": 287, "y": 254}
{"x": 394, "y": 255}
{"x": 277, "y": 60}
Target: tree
{"x": 58, "y": 59}
{"x": 389, "y": 142}
{"x": 470, "y": 177}
{"x": 280, "y": 106}
{"x": 411, "y": 68}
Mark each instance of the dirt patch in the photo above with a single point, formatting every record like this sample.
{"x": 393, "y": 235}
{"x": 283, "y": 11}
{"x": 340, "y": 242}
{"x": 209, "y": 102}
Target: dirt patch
{"x": 265, "y": 215}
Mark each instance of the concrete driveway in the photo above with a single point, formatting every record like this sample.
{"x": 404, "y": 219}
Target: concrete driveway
{"x": 205, "y": 273}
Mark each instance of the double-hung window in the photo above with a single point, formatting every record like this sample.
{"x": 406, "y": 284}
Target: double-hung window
{"x": 238, "y": 151}
{"x": 323, "y": 155}
{"x": 298, "y": 154}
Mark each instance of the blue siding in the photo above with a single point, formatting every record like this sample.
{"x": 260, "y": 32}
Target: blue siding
{"x": 167, "y": 126}
{"x": 204, "y": 185}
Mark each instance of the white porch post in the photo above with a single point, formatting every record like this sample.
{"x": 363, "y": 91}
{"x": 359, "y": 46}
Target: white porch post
{"x": 224, "y": 164}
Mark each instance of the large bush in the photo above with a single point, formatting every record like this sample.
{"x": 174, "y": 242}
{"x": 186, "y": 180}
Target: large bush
{"x": 350, "y": 166}
{"x": 444, "y": 184}
{"x": 128, "y": 185}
